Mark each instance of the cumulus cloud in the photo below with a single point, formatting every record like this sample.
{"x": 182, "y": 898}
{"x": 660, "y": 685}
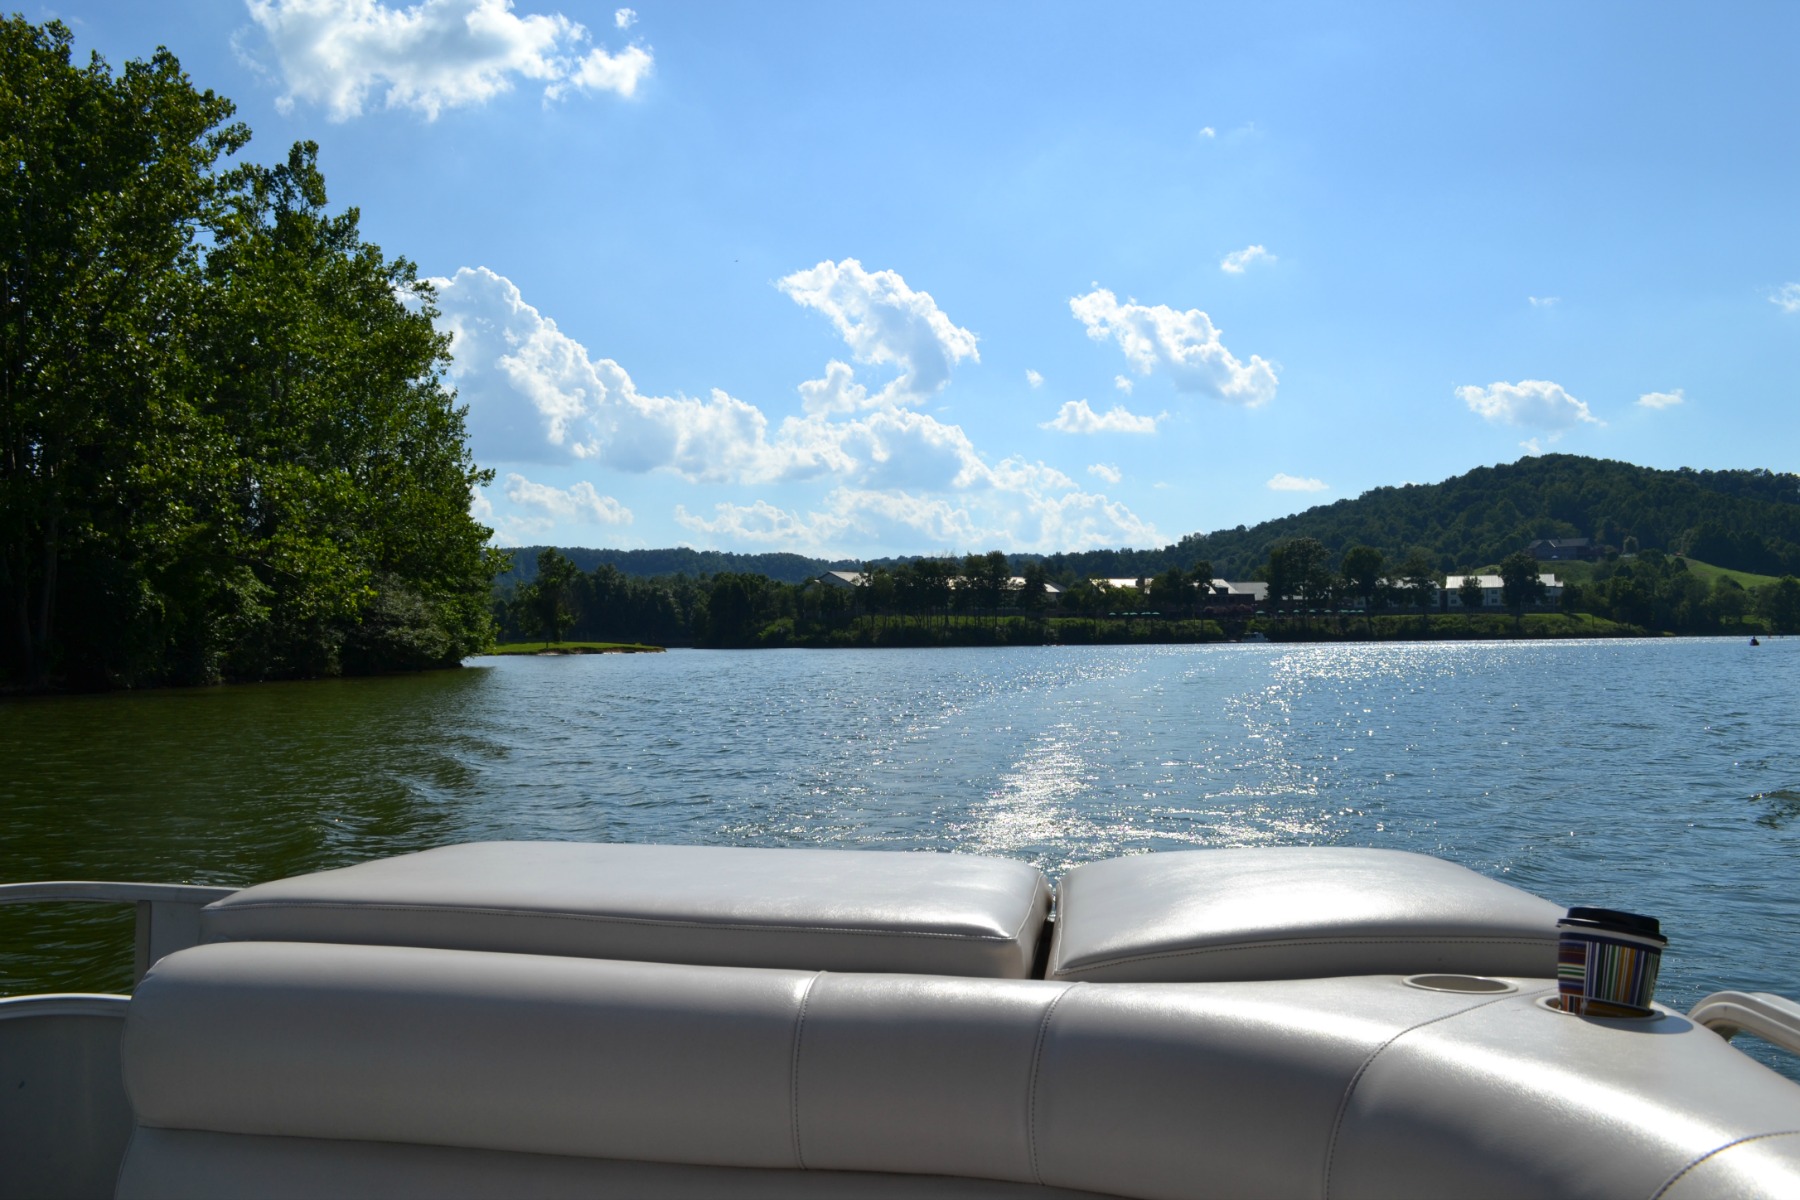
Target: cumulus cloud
{"x": 625, "y": 18}
{"x": 1661, "y": 399}
{"x": 1544, "y": 301}
{"x": 1033, "y": 378}
{"x": 861, "y": 517}
{"x": 1207, "y": 131}
{"x": 897, "y": 475}
{"x": 1186, "y": 344}
{"x": 1235, "y": 262}
{"x": 1283, "y": 482}
{"x": 1786, "y": 297}
{"x": 1106, "y": 471}
{"x": 579, "y": 502}
{"x": 434, "y": 55}
{"x": 535, "y": 395}
{"x": 886, "y": 323}
{"x": 1078, "y": 416}
{"x": 1122, "y": 383}
{"x": 1532, "y": 403}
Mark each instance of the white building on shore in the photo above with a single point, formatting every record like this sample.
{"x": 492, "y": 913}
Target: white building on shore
{"x": 1492, "y": 591}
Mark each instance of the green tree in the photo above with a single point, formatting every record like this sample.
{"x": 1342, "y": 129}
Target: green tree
{"x": 1778, "y": 603}
{"x": 1421, "y": 577}
{"x": 1171, "y": 593}
{"x": 225, "y": 446}
{"x": 996, "y": 582}
{"x": 1470, "y": 593}
{"x": 1519, "y": 583}
{"x": 347, "y": 468}
{"x": 1362, "y": 570}
{"x": 546, "y": 604}
{"x": 1034, "y": 592}
{"x": 108, "y": 189}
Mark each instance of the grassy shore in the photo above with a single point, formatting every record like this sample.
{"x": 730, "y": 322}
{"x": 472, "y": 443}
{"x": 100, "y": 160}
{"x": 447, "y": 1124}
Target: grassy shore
{"x": 555, "y": 648}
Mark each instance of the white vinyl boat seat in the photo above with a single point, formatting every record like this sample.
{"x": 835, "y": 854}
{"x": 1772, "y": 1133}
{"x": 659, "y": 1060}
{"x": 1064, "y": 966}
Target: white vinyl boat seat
{"x": 837, "y": 910}
{"x": 296, "y": 1069}
{"x": 1291, "y": 913}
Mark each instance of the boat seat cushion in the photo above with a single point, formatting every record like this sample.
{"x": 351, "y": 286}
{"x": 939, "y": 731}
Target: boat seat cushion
{"x": 1294, "y": 913}
{"x": 814, "y": 910}
{"x": 1344, "y": 1087}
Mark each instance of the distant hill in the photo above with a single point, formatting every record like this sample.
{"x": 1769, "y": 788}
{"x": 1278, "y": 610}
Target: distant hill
{"x": 1740, "y": 520}
{"x": 680, "y": 560}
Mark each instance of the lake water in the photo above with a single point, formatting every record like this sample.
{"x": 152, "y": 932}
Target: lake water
{"x": 1660, "y": 776}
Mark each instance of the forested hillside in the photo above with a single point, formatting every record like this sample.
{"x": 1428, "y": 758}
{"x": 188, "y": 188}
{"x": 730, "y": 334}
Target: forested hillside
{"x": 226, "y": 450}
{"x": 1744, "y": 520}
{"x": 679, "y": 560}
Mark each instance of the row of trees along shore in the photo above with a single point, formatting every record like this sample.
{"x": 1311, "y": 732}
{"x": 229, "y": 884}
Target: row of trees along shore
{"x": 988, "y": 599}
{"x": 226, "y": 447}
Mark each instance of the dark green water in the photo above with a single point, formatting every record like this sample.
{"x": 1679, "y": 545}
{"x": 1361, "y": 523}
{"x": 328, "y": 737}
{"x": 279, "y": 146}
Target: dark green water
{"x": 223, "y": 785}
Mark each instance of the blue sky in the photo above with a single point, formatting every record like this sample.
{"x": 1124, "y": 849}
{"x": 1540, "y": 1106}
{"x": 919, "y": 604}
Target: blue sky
{"x": 864, "y": 278}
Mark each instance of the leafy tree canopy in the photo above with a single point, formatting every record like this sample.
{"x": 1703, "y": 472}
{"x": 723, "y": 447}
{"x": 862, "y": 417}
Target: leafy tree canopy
{"x": 226, "y": 450}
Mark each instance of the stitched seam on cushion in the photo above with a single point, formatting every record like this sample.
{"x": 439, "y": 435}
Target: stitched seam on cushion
{"x": 1337, "y": 1123}
{"x": 794, "y": 1072}
{"x": 1283, "y": 944}
{"x": 1755, "y": 1137}
{"x": 1037, "y": 1063}
{"x": 539, "y": 914}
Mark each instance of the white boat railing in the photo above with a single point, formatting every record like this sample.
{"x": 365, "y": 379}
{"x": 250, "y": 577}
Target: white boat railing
{"x": 168, "y": 914}
{"x": 1774, "y": 1019}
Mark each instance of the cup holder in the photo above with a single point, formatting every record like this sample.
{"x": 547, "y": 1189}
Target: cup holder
{"x": 1553, "y": 1003}
{"x": 1469, "y": 985}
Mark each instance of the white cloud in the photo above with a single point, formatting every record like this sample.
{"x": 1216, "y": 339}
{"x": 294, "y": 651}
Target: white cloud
{"x": 1077, "y": 416}
{"x": 625, "y": 18}
{"x": 1186, "y": 344}
{"x": 1533, "y": 403}
{"x": 511, "y": 529}
{"x": 837, "y": 392}
{"x": 1283, "y": 482}
{"x": 1531, "y": 446}
{"x": 1122, "y": 383}
{"x": 1106, "y": 471}
{"x": 434, "y": 55}
{"x": 535, "y": 395}
{"x": 598, "y": 71}
{"x": 1235, "y": 262}
{"x": 852, "y": 517}
{"x": 1207, "y": 131}
{"x": 1661, "y": 399}
{"x": 1544, "y": 301}
{"x": 1033, "y": 378}
{"x": 886, "y": 323}
{"x": 579, "y": 502}
{"x": 898, "y": 475}
{"x": 1786, "y": 298}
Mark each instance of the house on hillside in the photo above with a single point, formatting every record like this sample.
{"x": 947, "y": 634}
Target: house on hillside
{"x": 1563, "y": 549}
{"x": 1492, "y": 591}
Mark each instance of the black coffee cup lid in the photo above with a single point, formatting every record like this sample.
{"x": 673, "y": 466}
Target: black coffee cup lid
{"x": 1616, "y": 921}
